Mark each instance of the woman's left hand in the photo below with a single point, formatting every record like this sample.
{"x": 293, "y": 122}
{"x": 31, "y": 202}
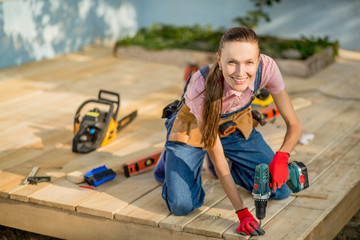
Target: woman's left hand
{"x": 278, "y": 169}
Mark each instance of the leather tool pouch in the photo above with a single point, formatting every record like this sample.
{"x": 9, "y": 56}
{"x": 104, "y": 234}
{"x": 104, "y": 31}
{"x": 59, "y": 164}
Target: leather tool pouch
{"x": 186, "y": 130}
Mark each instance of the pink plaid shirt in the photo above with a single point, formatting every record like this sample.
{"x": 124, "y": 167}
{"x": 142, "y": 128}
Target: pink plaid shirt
{"x": 271, "y": 80}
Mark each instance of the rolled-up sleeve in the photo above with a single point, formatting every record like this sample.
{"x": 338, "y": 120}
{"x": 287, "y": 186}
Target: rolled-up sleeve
{"x": 271, "y": 77}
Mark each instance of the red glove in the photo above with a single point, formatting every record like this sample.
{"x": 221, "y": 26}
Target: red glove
{"x": 278, "y": 169}
{"x": 248, "y": 224}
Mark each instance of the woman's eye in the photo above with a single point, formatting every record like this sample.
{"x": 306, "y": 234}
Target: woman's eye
{"x": 250, "y": 62}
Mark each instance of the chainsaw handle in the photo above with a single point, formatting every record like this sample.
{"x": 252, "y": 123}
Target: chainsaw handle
{"x": 117, "y": 102}
{"x": 77, "y": 114}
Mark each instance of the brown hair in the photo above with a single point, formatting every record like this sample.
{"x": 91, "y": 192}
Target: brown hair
{"x": 215, "y": 85}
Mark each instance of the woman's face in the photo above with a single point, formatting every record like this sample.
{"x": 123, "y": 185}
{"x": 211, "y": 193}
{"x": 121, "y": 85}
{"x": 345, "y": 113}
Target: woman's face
{"x": 239, "y": 62}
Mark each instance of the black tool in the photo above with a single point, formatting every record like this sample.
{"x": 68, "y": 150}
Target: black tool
{"x": 36, "y": 180}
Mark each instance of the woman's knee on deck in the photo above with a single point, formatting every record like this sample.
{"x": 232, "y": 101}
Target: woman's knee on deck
{"x": 281, "y": 193}
{"x": 180, "y": 206}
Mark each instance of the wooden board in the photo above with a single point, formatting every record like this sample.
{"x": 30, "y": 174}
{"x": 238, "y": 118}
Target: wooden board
{"x": 72, "y": 225}
{"x": 39, "y": 101}
{"x": 119, "y": 196}
{"x": 62, "y": 194}
{"x": 214, "y": 193}
{"x": 304, "y": 214}
{"x": 219, "y": 218}
{"x": 148, "y": 210}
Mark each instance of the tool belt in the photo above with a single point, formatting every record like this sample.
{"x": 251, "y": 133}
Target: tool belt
{"x": 186, "y": 130}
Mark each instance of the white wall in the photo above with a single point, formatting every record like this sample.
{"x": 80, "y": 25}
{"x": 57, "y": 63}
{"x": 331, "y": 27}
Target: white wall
{"x": 36, "y": 29}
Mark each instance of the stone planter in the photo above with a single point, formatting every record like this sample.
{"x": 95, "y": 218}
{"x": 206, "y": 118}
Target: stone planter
{"x": 177, "y": 57}
{"x": 306, "y": 68}
{"x": 289, "y": 67}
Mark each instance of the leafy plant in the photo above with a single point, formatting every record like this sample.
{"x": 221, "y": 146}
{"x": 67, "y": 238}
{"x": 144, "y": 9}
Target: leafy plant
{"x": 159, "y": 37}
{"x": 253, "y": 17}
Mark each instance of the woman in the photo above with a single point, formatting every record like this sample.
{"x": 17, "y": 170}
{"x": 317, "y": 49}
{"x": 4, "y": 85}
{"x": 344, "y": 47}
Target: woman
{"x": 216, "y": 97}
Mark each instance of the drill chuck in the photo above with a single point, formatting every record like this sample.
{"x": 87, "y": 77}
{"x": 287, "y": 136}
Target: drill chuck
{"x": 260, "y": 205}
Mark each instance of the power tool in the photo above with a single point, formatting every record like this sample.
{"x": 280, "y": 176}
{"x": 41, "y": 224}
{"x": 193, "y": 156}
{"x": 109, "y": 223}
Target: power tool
{"x": 190, "y": 70}
{"x": 98, "y": 128}
{"x": 297, "y": 181}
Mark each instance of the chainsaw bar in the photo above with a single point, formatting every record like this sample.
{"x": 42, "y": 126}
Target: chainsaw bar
{"x": 126, "y": 120}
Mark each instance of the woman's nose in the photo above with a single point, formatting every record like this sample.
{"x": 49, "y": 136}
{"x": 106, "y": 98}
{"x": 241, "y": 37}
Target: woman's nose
{"x": 240, "y": 70}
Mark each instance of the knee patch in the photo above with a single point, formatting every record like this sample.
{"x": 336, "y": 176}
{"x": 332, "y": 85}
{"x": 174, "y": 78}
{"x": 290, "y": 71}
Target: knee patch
{"x": 282, "y": 193}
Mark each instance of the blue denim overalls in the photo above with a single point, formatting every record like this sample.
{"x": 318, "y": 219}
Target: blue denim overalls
{"x": 182, "y": 189}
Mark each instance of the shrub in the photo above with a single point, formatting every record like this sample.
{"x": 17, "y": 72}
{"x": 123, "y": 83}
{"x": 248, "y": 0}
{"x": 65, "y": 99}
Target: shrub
{"x": 159, "y": 37}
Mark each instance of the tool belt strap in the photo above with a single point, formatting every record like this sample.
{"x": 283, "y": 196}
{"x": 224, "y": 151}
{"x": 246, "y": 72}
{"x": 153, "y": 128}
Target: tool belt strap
{"x": 186, "y": 130}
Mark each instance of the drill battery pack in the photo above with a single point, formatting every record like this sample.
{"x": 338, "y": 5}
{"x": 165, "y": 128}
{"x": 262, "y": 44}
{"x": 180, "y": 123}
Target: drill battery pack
{"x": 99, "y": 175}
{"x": 298, "y": 177}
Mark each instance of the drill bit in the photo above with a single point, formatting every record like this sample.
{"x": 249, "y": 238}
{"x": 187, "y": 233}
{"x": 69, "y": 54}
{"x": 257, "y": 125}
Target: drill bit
{"x": 260, "y": 223}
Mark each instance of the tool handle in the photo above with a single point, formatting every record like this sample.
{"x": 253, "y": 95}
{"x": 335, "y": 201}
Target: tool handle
{"x": 117, "y": 101}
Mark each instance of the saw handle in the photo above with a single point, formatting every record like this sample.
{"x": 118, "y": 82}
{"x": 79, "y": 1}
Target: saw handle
{"x": 105, "y": 102}
{"x": 117, "y": 102}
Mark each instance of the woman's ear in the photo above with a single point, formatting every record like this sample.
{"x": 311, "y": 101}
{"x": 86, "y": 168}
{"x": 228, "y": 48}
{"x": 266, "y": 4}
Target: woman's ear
{"x": 218, "y": 59}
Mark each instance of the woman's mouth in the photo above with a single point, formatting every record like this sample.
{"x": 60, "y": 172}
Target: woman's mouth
{"x": 239, "y": 80}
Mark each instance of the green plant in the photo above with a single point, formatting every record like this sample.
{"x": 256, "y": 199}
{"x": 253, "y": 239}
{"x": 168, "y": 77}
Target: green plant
{"x": 253, "y": 17}
{"x": 159, "y": 37}
{"x": 307, "y": 47}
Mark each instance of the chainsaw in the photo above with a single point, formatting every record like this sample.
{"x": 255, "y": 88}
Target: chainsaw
{"x": 98, "y": 128}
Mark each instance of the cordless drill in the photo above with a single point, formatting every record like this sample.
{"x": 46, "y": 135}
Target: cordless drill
{"x": 297, "y": 181}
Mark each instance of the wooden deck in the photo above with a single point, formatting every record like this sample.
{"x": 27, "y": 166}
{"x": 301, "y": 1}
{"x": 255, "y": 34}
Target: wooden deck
{"x": 38, "y": 102}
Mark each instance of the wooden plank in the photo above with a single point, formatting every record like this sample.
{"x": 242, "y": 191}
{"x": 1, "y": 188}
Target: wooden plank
{"x": 148, "y": 210}
{"x": 316, "y": 168}
{"x": 62, "y": 194}
{"x": 50, "y": 164}
{"x": 33, "y": 105}
{"x": 119, "y": 196}
{"x": 319, "y": 115}
{"x": 73, "y": 225}
{"x": 274, "y": 207}
{"x": 8, "y": 180}
{"x": 219, "y": 218}
{"x": 342, "y": 185}
{"x": 52, "y": 140}
{"x": 329, "y": 135}
{"x": 214, "y": 194}
{"x": 340, "y": 212}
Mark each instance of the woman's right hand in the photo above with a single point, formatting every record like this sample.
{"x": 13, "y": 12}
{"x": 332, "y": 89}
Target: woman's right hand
{"x": 248, "y": 224}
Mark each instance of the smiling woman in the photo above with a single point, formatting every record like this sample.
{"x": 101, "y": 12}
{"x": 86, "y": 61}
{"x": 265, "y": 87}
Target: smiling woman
{"x": 215, "y": 96}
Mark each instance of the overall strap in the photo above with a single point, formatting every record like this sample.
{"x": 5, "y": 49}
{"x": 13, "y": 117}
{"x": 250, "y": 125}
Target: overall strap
{"x": 204, "y": 72}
